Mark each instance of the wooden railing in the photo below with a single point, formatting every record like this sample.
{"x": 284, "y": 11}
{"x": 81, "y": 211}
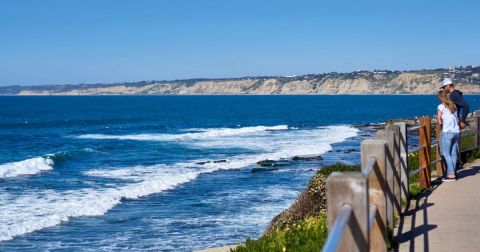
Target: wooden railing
{"x": 424, "y": 150}
{"x": 361, "y": 205}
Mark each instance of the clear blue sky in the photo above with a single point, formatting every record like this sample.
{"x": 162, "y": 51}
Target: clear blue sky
{"x": 68, "y": 41}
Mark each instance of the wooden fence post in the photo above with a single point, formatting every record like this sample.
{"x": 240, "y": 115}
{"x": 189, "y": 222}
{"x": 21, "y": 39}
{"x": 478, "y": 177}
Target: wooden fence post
{"x": 394, "y": 146}
{"x": 376, "y": 191}
{"x": 349, "y": 188}
{"x": 428, "y": 132}
{"x": 405, "y": 193}
{"x": 424, "y": 152}
{"x": 387, "y": 137}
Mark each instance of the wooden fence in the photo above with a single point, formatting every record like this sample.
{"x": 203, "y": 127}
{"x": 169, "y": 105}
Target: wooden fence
{"x": 361, "y": 205}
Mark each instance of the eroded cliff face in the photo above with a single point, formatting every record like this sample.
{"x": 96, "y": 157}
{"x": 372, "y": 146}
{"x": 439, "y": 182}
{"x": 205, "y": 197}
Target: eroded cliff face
{"x": 372, "y": 83}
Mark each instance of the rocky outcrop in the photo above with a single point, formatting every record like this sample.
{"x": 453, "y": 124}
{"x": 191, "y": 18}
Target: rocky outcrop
{"x": 353, "y": 83}
{"x": 312, "y": 202}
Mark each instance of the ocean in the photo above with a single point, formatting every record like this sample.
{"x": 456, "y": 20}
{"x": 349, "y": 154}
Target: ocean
{"x": 170, "y": 173}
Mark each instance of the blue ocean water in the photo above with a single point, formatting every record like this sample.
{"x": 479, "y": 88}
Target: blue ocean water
{"x": 170, "y": 173}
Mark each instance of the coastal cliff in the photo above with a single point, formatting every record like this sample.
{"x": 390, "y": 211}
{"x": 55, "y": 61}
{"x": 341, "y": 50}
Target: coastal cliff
{"x": 361, "y": 82}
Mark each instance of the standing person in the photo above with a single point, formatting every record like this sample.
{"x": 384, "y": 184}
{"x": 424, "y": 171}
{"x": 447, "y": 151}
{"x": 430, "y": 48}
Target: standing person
{"x": 462, "y": 106}
{"x": 457, "y": 98}
{"x": 448, "y": 119}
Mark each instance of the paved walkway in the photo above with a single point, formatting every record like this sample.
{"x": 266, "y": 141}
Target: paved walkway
{"x": 445, "y": 219}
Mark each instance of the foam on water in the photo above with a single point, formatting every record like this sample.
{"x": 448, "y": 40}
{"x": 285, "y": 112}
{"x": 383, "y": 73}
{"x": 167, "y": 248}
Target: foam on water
{"x": 270, "y": 145}
{"x": 36, "y": 210}
{"x": 277, "y": 145}
{"x": 203, "y": 134}
{"x": 40, "y": 164}
{"x": 26, "y": 167}
{"x": 137, "y": 173}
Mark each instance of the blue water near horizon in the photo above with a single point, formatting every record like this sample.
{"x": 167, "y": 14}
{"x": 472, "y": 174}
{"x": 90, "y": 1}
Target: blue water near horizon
{"x": 169, "y": 173}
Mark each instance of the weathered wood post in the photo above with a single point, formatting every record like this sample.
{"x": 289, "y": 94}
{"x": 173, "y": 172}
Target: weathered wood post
{"x": 376, "y": 191}
{"x": 394, "y": 146}
{"x": 403, "y": 141}
{"x": 428, "y": 159}
{"x": 440, "y": 166}
{"x": 349, "y": 188}
{"x": 424, "y": 152}
{"x": 422, "y": 162}
{"x": 388, "y": 138}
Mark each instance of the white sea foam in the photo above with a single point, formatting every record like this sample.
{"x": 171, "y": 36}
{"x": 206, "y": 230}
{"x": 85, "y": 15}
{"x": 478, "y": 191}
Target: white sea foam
{"x": 269, "y": 146}
{"x": 26, "y": 167}
{"x": 36, "y": 210}
{"x": 37, "y": 164}
{"x": 274, "y": 146}
{"x": 202, "y": 134}
{"x": 136, "y": 173}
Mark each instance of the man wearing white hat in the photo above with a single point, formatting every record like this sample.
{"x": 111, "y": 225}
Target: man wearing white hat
{"x": 457, "y": 98}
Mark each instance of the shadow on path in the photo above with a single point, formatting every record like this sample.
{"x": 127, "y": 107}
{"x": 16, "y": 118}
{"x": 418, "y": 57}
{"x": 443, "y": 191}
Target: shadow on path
{"x": 472, "y": 171}
{"x": 414, "y": 226}
{"x": 418, "y": 224}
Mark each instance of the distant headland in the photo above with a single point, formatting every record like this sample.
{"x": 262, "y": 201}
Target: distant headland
{"x": 358, "y": 82}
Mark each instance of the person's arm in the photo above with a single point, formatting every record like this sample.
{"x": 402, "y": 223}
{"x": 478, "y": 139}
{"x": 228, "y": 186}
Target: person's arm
{"x": 457, "y": 98}
{"x": 466, "y": 110}
{"x": 439, "y": 117}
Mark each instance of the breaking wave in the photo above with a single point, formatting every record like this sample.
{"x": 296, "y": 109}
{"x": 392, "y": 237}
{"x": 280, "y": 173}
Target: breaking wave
{"x": 201, "y": 134}
{"x": 26, "y": 167}
{"x": 40, "y": 164}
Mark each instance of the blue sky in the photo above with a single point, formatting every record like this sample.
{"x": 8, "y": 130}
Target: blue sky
{"x": 60, "y": 42}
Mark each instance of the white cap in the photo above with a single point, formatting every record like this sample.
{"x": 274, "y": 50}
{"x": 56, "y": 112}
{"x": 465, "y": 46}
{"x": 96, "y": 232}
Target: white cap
{"x": 445, "y": 82}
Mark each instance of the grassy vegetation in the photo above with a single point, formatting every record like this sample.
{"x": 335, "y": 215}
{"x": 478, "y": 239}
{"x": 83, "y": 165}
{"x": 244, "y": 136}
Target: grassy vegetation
{"x": 414, "y": 186}
{"x": 339, "y": 167}
{"x": 308, "y": 235}
{"x": 468, "y": 142}
{"x": 471, "y": 156}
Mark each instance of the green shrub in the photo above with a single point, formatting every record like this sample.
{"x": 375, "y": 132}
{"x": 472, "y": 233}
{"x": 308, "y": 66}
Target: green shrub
{"x": 308, "y": 235}
{"x": 467, "y": 142}
{"x": 338, "y": 167}
{"x": 471, "y": 156}
{"x": 415, "y": 190}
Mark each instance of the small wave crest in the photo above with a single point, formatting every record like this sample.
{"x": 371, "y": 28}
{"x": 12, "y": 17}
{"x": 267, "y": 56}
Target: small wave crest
{"x": 201, "y": 134}
{"x": 26, "y": 167}
{"x": 40, "y": 164}
{"x": 63, "y": 156}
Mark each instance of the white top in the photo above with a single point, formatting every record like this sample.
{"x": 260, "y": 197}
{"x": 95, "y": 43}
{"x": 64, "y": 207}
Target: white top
{"x": 449, "y": 120}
